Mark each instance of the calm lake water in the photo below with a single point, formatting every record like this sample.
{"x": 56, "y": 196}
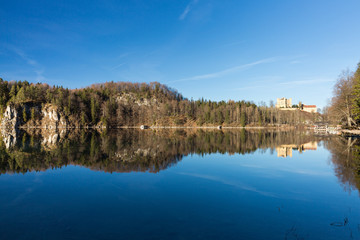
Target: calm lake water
{"x": 132, "y": 184}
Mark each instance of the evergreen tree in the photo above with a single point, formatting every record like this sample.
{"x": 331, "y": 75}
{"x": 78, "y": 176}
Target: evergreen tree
{"x": 243, "y": 119}
{"x": 93, "y": 110}
{"x": 356, "y": 95}
{"x": 24, "y": 115}
{"x": 20, "y": 96}
{"x": 12, "y": 93}
{"x": 33, "y": 114}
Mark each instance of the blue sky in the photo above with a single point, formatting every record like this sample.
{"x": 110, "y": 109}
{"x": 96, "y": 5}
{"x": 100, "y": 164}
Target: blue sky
{"x": 217, "y": 49}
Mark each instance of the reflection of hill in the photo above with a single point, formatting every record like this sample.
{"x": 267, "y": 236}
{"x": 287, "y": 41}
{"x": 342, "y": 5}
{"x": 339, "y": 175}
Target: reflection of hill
{"x": 132, "y": 150}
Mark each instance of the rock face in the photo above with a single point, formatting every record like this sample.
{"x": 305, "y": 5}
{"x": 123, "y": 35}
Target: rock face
{"x": 52, "y": 118}
{"x": 47, "y": 116}
{"x": 131, "y": 99}
{"x": 9, "y": 126}
{"x": 11, "y": 119}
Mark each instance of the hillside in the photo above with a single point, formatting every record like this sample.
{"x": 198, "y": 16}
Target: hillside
{"x": 116, "y": 104}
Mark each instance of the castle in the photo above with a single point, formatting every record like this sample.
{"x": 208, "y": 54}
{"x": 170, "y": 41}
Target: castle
{"x": 285, "y": 104}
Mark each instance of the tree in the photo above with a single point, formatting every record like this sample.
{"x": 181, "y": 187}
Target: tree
{"x": 243, "y": 119}
{"x": 341, "y": 103}
{"x": 20, "y": 96}
{"x": 24, "y": 115}
{"x": 93, "y": 110}
{"x": 356, "y": 94}
{"x": 33, "y": 113}
{"x": 12, "y": 93}
{"x": 83, "y": 120}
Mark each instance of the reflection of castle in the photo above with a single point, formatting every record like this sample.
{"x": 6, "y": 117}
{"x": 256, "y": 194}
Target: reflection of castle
{"x": 286, "y": 150}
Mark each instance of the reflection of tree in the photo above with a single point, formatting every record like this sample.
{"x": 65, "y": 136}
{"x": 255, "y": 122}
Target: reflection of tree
{"x": 134, "y": 150}
{"x": 346, "y": 160}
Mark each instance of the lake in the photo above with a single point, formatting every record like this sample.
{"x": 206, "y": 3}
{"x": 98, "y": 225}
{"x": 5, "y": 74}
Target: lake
{"x": 179, "y": 184}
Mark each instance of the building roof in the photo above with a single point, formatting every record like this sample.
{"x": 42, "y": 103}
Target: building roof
{"x": 309, "y": 106}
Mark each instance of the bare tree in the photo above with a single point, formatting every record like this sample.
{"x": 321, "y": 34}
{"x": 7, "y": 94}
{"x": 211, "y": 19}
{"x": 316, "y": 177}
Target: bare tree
{"x": 341, "y": 103}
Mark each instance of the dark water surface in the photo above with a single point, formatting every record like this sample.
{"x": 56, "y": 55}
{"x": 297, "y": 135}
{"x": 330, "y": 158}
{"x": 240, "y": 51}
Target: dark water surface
{"x": 130, "y": 184}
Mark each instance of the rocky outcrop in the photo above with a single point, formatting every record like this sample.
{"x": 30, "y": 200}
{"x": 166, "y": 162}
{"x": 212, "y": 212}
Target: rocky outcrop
{"x": 52, "y": 118}
{"x": 131, "y": 99}
{"x": 47, "y": 116}
{"x": 11, "y": 119}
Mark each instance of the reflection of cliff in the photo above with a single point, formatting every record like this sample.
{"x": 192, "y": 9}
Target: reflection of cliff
{"x": 285, "y": 150}
{"x": 131, "y": 150}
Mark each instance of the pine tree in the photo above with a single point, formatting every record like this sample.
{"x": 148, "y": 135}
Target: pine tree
{"x": 83, "y": 121}
{"x": 33, "y": 114}
{"x": 243, "y": 119}
{"x": 24, "y": 115}
{"x": 12, "y": 93}
{"x": 93, "y": 110}
{"x": 20, "y": 96}
{"x": 356, "y": 95}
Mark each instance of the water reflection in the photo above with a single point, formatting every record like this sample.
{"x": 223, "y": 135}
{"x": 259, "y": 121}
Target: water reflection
{"x": 285, "y": 150}
{"x": 346, "y": 159}
{"x": 223, "y": 196}
{"x": 153, "y": 151}
{"x": 135, "y": 150}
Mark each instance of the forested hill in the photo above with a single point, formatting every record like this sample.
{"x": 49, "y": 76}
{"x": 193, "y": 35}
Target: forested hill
{"x": 131, "y": 104}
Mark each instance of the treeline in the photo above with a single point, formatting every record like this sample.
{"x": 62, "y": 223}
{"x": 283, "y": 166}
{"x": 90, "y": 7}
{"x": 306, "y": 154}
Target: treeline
{"x": 344, "y": 107}
{"x": 132, "y": 104}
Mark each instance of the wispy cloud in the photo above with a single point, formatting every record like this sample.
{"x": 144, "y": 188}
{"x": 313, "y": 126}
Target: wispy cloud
{"x": 308, "y": 81}
{"x": 117, "y": 66}
{"x": 226, "y": 71}
{"x": 286, "y": 84}
{"x": 38, "y": 69}
{"x": 21, "y": 54}
{"x": 187, "y": 9}
{"x": 117, "y": 59}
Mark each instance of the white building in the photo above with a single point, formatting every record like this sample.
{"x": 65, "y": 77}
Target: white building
{"x": 309, "y": 108}
{"x": 283, "y": 103}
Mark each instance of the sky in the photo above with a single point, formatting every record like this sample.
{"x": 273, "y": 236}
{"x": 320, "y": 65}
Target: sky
{"x": 214, "y": 49}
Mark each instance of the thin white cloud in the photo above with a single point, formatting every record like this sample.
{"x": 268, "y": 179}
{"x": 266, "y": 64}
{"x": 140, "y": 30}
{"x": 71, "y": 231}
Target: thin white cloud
{"x": 300, "y": 82}
{"x": 123, "y": 55}
{"x": 226, "y": 71}
{"x": 38, "y": 69}
{"x": 309, "y": 81}
{"x": 39, "y": 76}
{"x": 21, "y": 54}
{"x": 187, "y": 9}
{"x": 117, "y": 66}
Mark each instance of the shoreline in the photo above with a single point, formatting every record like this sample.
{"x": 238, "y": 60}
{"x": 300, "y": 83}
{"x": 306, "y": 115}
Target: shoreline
{"x": 144, "y": 127}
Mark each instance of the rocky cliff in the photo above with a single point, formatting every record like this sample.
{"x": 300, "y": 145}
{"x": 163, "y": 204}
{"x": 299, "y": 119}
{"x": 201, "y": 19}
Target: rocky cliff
{"x": 33, "y": 116}
{"x": 52, "y": 118}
